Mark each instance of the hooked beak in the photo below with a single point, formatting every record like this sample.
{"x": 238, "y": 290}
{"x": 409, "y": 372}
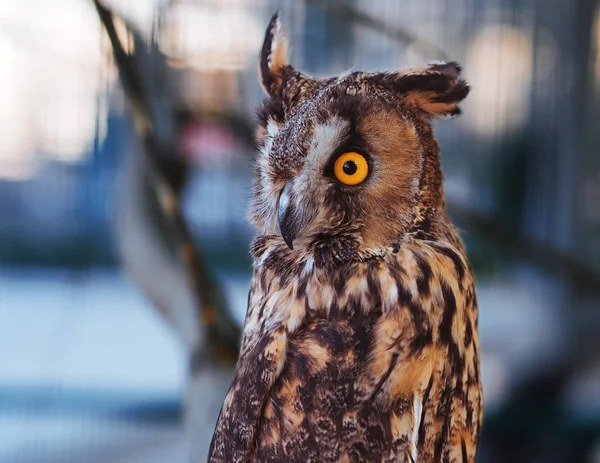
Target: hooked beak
{"x": 286, "y": 215}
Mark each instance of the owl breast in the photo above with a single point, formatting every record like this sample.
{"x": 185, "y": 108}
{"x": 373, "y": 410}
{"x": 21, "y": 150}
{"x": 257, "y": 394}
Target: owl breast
{"x": 314, "y": 411}
{"x": 369, "y": 381}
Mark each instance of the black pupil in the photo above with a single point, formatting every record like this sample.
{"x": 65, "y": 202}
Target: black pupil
{"x": 350, "y": 167}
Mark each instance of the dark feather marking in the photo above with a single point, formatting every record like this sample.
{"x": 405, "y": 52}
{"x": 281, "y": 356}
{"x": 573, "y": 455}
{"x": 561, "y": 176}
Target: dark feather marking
{"x": 261, "y": 311}
{"x": 265, "y": 54}
{"x": 342, "y": 276}
{"x": 425, "y": 275}
{"x": 353, "y": 306}
{"x": 422, "y": 429}
{"x": 376, "y": 436}
{"x": 383, "y": 379}
{"x": 340, "y": 283}
{"x": 463, "y": 447}
{"x": 449, "y": 313}
{"x": 346, "y": 107}
{"x": 468, "y": 332}
{"x": 476, "y": 361}
{"x": 422, "y": 340}
{"x": 302, "y": 283}
{"x": 422, "y": 228}
{"x": 424, "y": 333}
{"x": 334, "y": 310}
{"x": 468, "y": 298}
{"x": 456, "y": 94}
{"x": 298, "y": 364}
{"x": 443, "y": 412}
{"x": 469, "y": 413}
{"x": 404, "y": 84}
{"x": 439, "y": 444}
{"x": 363, "y": 334}
{"x": 372, "y": 284}
{"x": 419, "y": 317}
{"x": 457, "y": 362}
{"x": 271, "y": 108}
{"x": 357, "y": 452}
{"x": 331, "y": 250}
{"x": 278, "y": 412}
{"x": 404, "y": 296}
{"x": 452, "y": 255}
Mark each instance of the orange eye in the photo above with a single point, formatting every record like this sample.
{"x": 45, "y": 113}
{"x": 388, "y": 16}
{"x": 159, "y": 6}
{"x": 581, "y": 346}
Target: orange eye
{"x": 351, "y": 168}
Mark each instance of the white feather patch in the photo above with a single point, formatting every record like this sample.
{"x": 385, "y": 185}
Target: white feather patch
{"x": 326, "y": 138}
{"x": 417, "y": 411}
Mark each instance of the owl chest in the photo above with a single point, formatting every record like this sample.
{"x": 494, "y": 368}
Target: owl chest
{"x": 321, "y": 407}
{"x": 314, "y": 408}
{"x": 387, "y": 384}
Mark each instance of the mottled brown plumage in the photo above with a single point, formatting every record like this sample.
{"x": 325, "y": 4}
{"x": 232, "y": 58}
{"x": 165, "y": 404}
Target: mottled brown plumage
{"x": 360, "y": 341}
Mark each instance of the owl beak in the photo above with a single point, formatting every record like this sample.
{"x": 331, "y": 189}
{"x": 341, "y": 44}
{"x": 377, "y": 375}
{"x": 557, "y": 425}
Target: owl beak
{"x": 287, "y": 217}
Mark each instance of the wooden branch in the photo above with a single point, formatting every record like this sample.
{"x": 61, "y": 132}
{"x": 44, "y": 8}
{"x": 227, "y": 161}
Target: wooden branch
{"x": 355, "y": 15}
{"x": 222, "y": 332}
{"x": 581, "y": 276}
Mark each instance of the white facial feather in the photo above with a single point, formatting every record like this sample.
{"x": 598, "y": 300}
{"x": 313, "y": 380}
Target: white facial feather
{"x": 267, "y": 192}
{"x": 326, "y": 138}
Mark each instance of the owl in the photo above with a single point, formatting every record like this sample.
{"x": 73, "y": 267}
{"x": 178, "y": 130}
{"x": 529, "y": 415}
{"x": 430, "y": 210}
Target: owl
{"x": 360, "y": 341}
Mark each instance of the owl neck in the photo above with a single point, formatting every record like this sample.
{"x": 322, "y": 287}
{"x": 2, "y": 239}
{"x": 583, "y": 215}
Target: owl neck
{"x": 430, "y": 205}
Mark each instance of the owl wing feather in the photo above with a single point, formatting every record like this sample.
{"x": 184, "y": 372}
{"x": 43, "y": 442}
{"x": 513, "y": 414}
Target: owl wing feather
{"x": 259, "y": 365}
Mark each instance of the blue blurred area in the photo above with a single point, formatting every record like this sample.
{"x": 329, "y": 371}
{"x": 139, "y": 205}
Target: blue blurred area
{"x": 62, "y": 216}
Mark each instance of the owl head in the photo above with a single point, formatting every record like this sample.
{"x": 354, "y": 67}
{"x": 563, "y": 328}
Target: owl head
{"x": 348, "y": 166}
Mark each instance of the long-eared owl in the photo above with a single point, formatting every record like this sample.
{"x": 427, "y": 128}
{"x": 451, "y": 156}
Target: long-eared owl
{"x": 360, "y": 341}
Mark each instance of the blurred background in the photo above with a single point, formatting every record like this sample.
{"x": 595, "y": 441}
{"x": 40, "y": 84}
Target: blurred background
{"x": 102, "y": 345}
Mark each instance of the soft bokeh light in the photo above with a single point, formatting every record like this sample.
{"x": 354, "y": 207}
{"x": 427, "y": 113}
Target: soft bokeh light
{"x": 55, "y": 73}
{"x": 16, "y": 143}
{"x": 210, "y": 36}
{"x": 500, "y": 67}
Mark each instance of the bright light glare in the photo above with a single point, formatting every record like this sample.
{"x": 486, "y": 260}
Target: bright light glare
{"x": 211, "y": 37}
{"x": 16, "y": 144}
{"x": 53, "y": 69}
{"x": 500, "y": 67}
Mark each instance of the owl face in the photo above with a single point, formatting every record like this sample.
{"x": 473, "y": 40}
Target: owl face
{"x": 347, "y": 165}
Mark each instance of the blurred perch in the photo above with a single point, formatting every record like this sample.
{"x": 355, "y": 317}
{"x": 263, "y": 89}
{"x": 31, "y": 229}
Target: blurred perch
{"x": 155, "y": 242}
{"x": 354, "y": 15}
{"x": 582, "y": 277}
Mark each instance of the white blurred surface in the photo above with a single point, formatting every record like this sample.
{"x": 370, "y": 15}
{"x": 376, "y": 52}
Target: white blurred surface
{"x": 92, "y": 329}
{"x": 63, "y": 440}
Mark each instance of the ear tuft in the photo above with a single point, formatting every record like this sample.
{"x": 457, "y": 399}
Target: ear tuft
{"x": 436, "y": 89}
{"x": 273, "y": 57}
